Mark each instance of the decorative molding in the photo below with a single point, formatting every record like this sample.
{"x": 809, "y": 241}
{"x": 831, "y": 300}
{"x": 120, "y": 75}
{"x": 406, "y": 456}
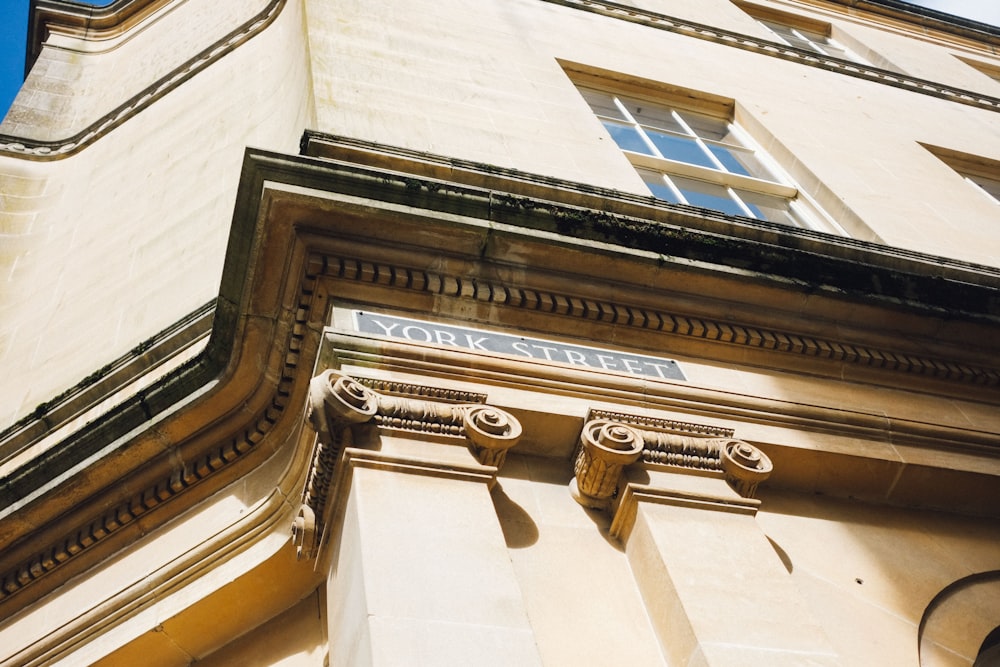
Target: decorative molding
{"x": 682, "y": 451}
{"x": 661, "y": 424}
{"x": 632, "y": 494}
{"x": 483, "y": 290}
{"x": 421, "y": 415}
{"x": 105, "y": 613}
{"x": 338, "y": 402}
{"x": 50, "y": 150}
{"x": 711, "y": 450}
{"x": 408, "y": 390}
{"x": 512, "y": 190}
{"x": 745, "y": 466}
{"x": 335, "y": 402}
{"x": 111, "y": 521}
{"x": 491, "y": 432}
{"x": 783, "y": 51}
{"x": 56, "y": 413}
{"x": 663, "y": 442}
{"x": 605, "y": 449}
{"x": 99, "y": 23}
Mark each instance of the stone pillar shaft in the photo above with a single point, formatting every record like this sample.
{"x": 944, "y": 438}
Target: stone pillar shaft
{"x": 421, "y": 573}
{"x": 717, "y": 592}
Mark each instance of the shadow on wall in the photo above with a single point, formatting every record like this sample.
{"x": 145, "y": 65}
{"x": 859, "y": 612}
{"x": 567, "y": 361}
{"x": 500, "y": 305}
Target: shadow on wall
{"x": 963, "y": 620}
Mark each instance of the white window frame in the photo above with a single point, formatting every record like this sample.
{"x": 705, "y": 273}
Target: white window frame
{"x": 803, "y": 211}
{"x": 814, "y": 41}
{"x": 980, "y": 173}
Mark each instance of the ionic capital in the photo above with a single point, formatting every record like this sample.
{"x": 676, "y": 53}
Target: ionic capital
{"x": 337, "y": 400}
{"x": 606, "y": 447}
{"x": 744, "y": 465}
{"x": 490, "y": 432}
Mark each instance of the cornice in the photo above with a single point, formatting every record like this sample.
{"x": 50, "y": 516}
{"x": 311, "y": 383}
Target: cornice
{"x": 913, "y": 288}
{"x": 924, "y": 17}
{"x": 55, "y": 415}
{"x": 773, "y": 49}
{"x": 265, "y": 522}
{"x": 427, "y": 170}
{"x": 124, "y": 13}
{"x": 190, "y": 433}
{"x": 296, "y": 243}
{"x": 622, "y": 314}
{"x": 116, "y": 18}
{"x": 197, "y": 456}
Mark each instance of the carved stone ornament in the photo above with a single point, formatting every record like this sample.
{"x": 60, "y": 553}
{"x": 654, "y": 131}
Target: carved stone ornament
{"x": 606, "y": 447}
{"x": 337, "y": 399}
{"x": 745, "y": 466}
{"x": 490, "y": 432}
{"x": 337, "y": 402}
{"x": 696, "y": 446}
{"x": 304, "y": 533}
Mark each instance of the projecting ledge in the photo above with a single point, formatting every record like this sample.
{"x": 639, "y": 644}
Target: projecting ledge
{"x": 708, "y": 575}
{"x": 680, "y": 488}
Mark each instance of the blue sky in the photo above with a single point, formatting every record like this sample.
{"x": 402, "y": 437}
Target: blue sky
{"x": 13, "y": 31}
{"x": 14, "y": 28}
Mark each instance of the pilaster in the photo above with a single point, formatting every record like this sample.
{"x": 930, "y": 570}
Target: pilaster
{"x": 418, "y": 569}
{"x": 716, "y": 591}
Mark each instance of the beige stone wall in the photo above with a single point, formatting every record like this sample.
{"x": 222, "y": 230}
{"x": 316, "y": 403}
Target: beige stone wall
{"x": 113, "y": 243}
{"x": 107, "y": 247}
{"x": 75, "y": 81}
{"x": 581, "y": 598}
{"x": 483, "y": 83}
{"x": 486, "y": 84}
{"x": 869, "y": 574}
{"x": 295, "y": 638}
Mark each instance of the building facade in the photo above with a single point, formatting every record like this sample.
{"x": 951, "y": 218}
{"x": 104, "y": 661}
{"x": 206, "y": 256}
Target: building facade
{"x": 509, "y": 332}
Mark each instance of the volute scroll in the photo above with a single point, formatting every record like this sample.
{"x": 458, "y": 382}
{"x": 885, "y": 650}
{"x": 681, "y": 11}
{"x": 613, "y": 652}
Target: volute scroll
{"x": 490, "y": 433}
{"x": 337, "y": 403}
{"x": 606, "y": 447}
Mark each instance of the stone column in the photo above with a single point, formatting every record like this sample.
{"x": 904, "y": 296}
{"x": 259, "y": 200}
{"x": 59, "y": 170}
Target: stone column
{"x": 716, "y": 590}
{"x": 398, "y": 508}
{"x": 421, "y": 575}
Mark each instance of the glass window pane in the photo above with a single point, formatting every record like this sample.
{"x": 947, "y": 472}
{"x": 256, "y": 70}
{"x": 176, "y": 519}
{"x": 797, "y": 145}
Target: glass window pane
{"x": 681, "y": 149}
{"x": 731, "y": 160}
{"x": 707, "y": 127}
{"x": 652, "y": 116}
{"x": 602, "y": 104}
{"x": 707, "y": 195}
{"x": 654, "y": 181}
{"x": 787, "y": 35}
{"x": 742, "y": 162}
{"x": 769, "y": 207}
{"x": 992, "y": 187}
{"x": 627, "y": 137}
{"x": 812, "y": 41}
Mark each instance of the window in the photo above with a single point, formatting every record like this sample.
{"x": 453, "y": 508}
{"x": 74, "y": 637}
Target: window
{"x": 812, "y": 41}
{"x": 692, "y": 158}
{"x": 989, "y": 186}
{"x": 990, "y": 70}
{"x": 979, "y": 173}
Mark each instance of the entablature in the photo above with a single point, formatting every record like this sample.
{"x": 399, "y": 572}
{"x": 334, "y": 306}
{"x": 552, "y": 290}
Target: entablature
{"x": 406, "y": 233}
